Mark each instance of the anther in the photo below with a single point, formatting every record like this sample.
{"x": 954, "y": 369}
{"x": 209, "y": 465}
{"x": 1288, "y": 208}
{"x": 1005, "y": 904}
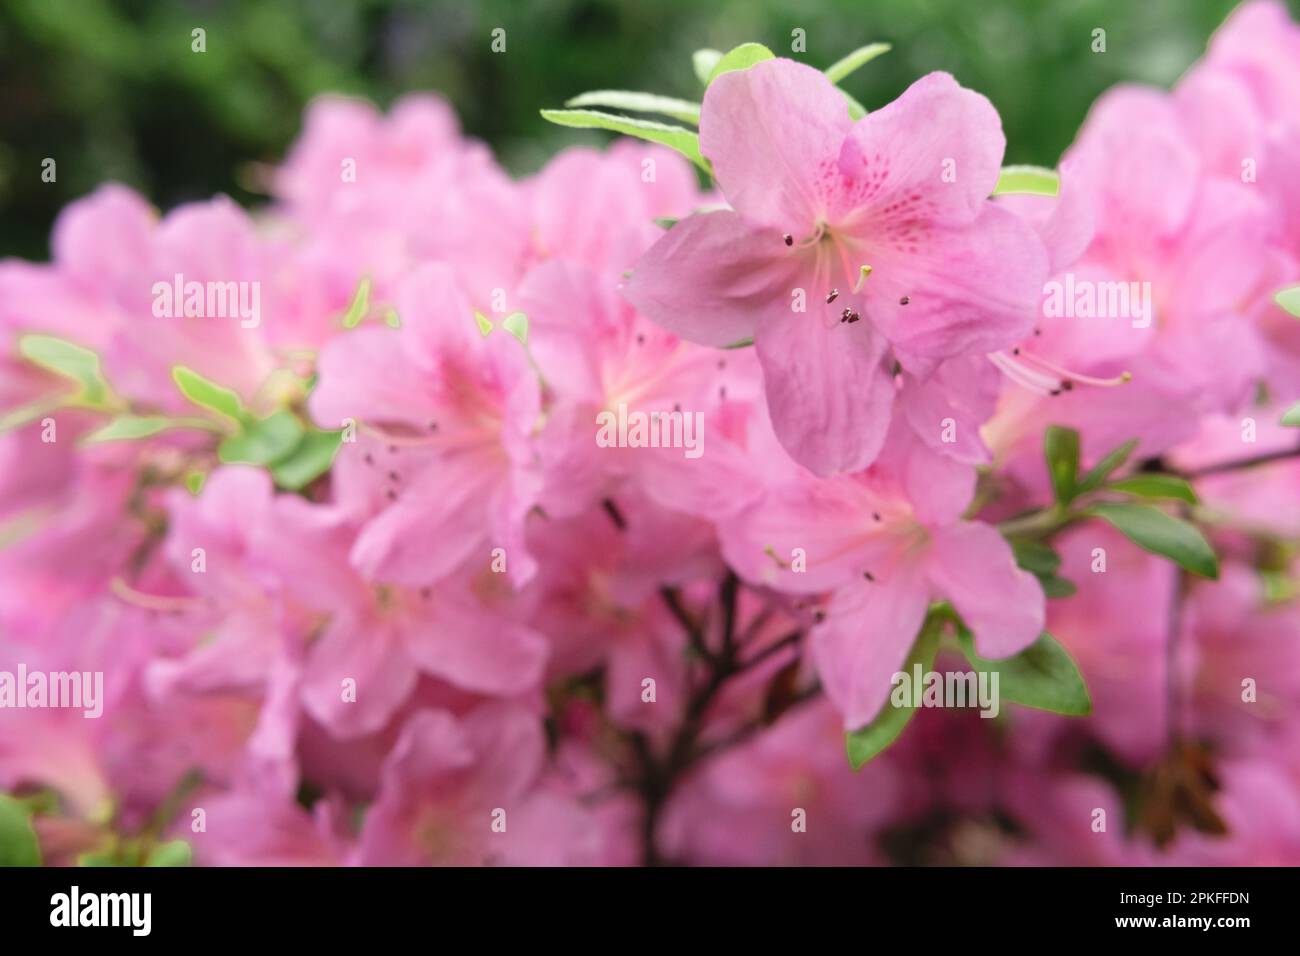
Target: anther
{"x": 835, "y": 293}
{"x": 789, "y": 239}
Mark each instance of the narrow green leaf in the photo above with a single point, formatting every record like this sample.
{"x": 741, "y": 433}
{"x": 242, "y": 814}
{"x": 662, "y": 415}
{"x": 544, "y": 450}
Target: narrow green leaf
{"x": 1292, "y": 415}
{"x": 1061, "y": 448}
{"x": 665, "y": 222}
{"x": 265, "y": 441}
{"x": 359, "y": 305}
{"x": 208, "y": 394}
{"x": 484, "y": 323}
{"x": 703, "y": 62}
{"x": 1042, "y": 676}
{"x": 312, "y": 458}
{"x": 1289, "y": 299}
{"x": 133, "y": 427}
{"x": 1105, "y": 468}
{"x": 740, "y": 58}
{"x": 863, "y": 55}
{"x": 1034, "y": 180}
{"x": 685, "y": 141}
{"x": 172, "y": 853}
{"x": 516, "y": 323}
{"x": 742, "y": 344}
{"x": 69, "y": 360}
{"x": 683, "y": 110}
{"x": 1156, "y": 486}
{"x": 856, "y": 109}
{"x": 129, "y": 427}
{"x": 1154, "y": 531}
{"x": 866, "y": 742}
{"x": 18, "y": 844}
{"x": 1054, "y": 587}
{"x": 1036, "y": 558}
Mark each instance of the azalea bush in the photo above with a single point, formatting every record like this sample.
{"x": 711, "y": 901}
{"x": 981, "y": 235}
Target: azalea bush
{"x": 791, "y": 482}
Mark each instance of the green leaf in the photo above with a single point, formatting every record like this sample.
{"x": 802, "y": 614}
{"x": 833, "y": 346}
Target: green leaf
{"x": 1154, "y": 531}
{"x": 69, "y": 360}
{"x": 1292, "y": 415}
{"x": 18, "y": 844}
{"x": 359, "y": 305}
{"x": 866, "y": 742}
{"x": 484, "y": 323}
{"x": 742, "y": 344}
{"x": 1289, "y": 299}
{"x": 1042, "y": 676}
{"x": 172, "y": 853}
{"x": 1054, "y": 587}
{"x": 863, "y": 55}
{"x": 703, "y": 62}
{"x": 1061, "y": 447}
{"x": 516, "y": 323}
{"x": 130, "y": 427}
{"x": 683, "y": 110}
{"x": 1043, "y": 563}
{"x": 1033, "y": 180}
{"x": 740, "y": 58}
{"x": 208, "y": 394}
{"x": 194, "y": 481}
{"x": 685, "y": 141}
{"x": 1104, "y": 468}
{"x": 1036, "y": 558}
{"x": 1155, "y": 486}
{"x": 665, "y": 222}
{"x": 133, "y": 427}
{"x": 856, "y": 109}
{"x": 312, "y": 458}
{"x": 264, "y": 441}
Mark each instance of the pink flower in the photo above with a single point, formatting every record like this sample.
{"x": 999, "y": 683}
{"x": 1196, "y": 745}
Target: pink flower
{"x": 885, "y": 547}
{"x": 459, "y": 792}
{"x": 818, "y": 197}
{"x": 464, "y": 407}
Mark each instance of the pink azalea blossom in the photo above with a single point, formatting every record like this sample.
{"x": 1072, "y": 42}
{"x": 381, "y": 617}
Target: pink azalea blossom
{"x": 816, "y": 200}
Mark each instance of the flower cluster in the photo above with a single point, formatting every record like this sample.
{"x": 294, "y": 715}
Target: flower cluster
{"x": 426, "y": 516}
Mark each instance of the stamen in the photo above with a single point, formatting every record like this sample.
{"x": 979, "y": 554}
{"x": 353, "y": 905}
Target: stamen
{"x": 904, "y": 300}
{"x": 1025, "y": 377}
{"x": 862, "y": 278}
{"x": 1047, "y": 378}
{"x": 812, "y": 240}
{"x": 1069, "y": 376}
{"x": 789, "y": 239}
{"x": 154, "y": 602}
{"x": 835, "y": 293}
{"x": 849, "y": 316}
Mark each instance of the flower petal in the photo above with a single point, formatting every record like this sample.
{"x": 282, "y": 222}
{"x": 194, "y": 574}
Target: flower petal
{"x": 773, "y": 133}
{"x": 972, "y": 566}
{"x": 828, "y": 391}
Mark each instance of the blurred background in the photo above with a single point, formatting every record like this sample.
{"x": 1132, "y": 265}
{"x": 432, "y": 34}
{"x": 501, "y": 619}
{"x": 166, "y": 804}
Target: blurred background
{"x": 112, "y": 91}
